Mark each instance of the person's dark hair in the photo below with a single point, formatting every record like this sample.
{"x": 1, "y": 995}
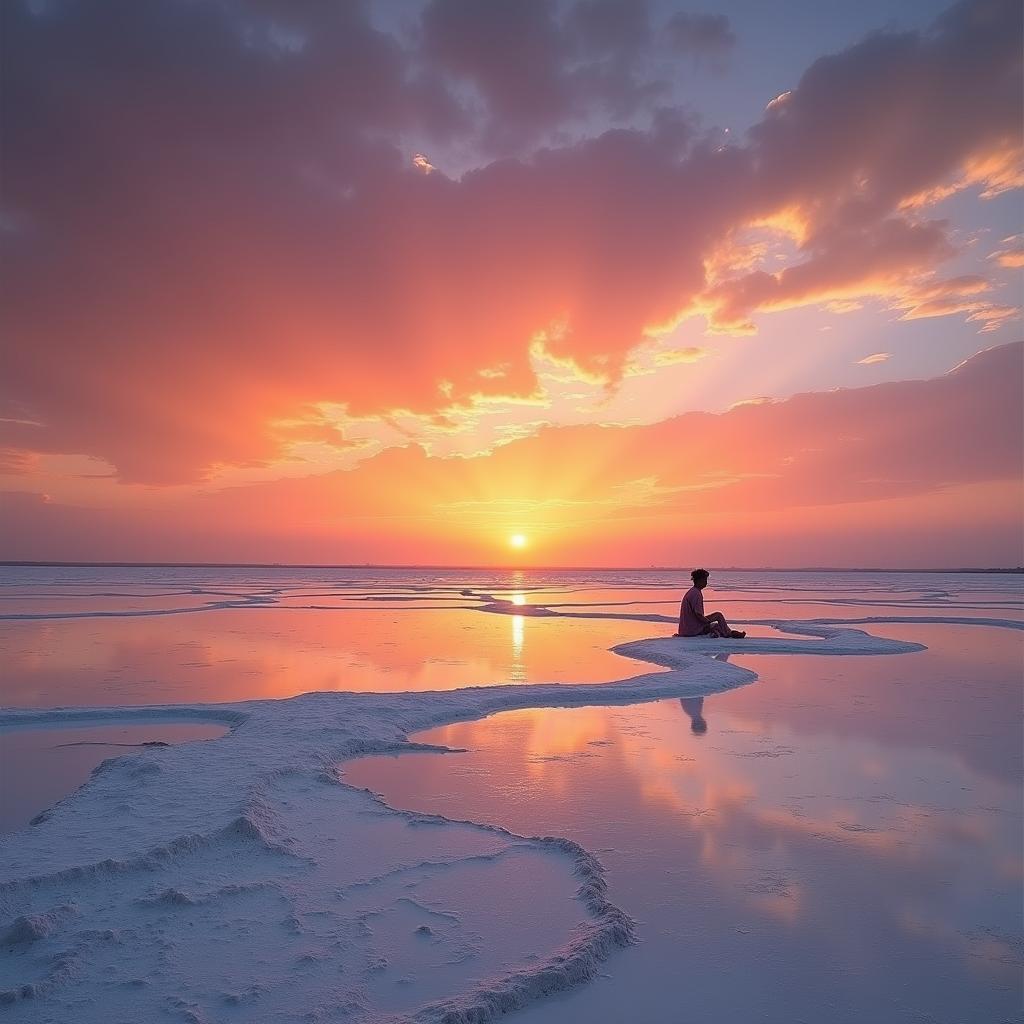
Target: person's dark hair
{"x": 699, "y": 574}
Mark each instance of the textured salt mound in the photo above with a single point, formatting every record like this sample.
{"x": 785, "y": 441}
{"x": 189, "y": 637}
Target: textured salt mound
{"x": 243, "y": 872}
{"x": 664, "y": 650}
{"x": 45, "y": 765}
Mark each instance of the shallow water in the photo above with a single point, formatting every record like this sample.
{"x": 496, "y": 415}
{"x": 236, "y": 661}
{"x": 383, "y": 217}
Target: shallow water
{"x": 153, "y": 635}
{"x": 844, "y": 838}
{"x": 230, "y": 655}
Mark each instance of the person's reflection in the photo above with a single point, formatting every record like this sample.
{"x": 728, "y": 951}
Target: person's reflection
{"x": 693, "y": 707}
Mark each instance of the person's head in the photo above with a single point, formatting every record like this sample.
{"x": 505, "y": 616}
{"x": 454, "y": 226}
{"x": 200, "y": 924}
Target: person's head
{"x": 700, "y": 578}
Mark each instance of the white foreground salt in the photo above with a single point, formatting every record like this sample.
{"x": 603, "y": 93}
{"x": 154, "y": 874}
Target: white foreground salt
{"x": 240, "y": 879}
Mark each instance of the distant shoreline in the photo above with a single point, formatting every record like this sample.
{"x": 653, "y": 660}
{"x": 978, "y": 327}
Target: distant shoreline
{"x": 17, "y": 563}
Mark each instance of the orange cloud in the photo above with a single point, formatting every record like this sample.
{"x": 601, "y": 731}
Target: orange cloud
{"x": 871, "y": 473}
{"x": 1013, "y": 255}
{"x": 844, "y": 265}
{"x": 671, "y": 356}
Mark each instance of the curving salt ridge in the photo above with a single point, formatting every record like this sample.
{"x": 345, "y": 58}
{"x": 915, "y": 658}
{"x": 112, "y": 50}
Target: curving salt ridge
{"x": 221, "y": 879}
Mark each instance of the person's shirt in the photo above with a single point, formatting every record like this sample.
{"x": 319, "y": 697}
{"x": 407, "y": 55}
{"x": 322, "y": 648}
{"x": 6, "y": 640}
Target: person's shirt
{"x": 691, "y": 613}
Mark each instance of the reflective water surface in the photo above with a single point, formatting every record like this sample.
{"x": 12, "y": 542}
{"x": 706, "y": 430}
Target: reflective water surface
{"x": 240, "y": 654}
{"x": 145, "y": 635}
{"x": 842, "y": 837}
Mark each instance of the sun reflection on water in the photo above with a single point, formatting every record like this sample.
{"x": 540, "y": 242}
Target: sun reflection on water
{"x": 518, "y": 670}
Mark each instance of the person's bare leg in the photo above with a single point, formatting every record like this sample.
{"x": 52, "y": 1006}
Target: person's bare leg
{"x": 718, "y": 619}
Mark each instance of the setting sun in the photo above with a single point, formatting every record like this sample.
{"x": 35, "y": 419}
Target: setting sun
{"x": 518, "y": 540}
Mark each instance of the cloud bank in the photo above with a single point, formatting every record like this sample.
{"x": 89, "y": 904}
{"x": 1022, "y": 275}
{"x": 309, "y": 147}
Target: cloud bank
{"x": 923, "y": 472}
{"x": 214, "y": 219}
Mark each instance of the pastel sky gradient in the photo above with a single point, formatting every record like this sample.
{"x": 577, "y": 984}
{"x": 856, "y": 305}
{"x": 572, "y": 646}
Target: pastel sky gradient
{"x": 646, "y": 282}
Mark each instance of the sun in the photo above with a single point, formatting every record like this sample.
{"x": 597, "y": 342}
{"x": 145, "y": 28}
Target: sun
{"x": 518, "y": 540}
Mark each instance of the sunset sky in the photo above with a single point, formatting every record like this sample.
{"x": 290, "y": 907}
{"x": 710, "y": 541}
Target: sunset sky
{"x": 632, "y": 282}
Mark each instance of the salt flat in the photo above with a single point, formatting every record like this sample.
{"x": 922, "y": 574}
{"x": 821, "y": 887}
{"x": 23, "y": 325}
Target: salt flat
{"x": 252, "y": 877}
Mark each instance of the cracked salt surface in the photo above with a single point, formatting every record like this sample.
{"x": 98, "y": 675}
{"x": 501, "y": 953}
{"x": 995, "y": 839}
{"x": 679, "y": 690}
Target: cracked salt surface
{"x": 243, "y": 879}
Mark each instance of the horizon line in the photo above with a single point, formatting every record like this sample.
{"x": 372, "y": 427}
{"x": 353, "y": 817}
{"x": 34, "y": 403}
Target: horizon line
{"x": 40, "y": 563}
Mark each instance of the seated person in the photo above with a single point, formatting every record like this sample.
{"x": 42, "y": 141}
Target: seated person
{"x": 693, "y": 621}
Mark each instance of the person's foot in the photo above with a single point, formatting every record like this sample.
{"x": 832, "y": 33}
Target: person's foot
{"x": 738, "y": 634}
